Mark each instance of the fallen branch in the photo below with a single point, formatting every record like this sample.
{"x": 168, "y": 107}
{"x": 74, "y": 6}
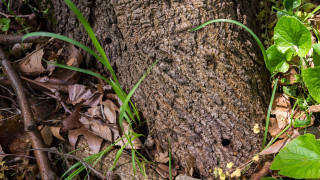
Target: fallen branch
{"x": 29, "y": 124}
{"x": 13, "y": 39}
{"x": 263, "y": 172}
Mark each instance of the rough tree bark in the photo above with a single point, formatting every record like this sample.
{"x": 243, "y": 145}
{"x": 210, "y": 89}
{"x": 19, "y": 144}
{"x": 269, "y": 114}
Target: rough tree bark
{"x": 210, "y": 87}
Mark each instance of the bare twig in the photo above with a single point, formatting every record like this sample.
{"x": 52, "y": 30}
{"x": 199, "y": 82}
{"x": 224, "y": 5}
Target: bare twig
{"x": 13, "y": 39}
{"x": 70, "y": 156}
{"x": 10, "y": 100}
{"x": 61, "y": 102}
{"x": 9, "y": 16}
{"x": 20, "y": 155}
{"x": 4, "y": 81}
{"x": 263, "y": 172}
{"x": 29, "y": 124}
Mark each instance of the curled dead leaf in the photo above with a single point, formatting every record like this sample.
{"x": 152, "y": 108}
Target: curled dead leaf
{"x": 98, "y": 129}
{"x": 277, "y": 146}
{"x": 159, "y": 156}
{"x": 93, "y": 140}
{"x": 72, "y": 121}
{"x": 75, "y": 59}
{"x": 32, "y": 65}
{"x": 314, "y": 108}
{"x": 281, "y": 109}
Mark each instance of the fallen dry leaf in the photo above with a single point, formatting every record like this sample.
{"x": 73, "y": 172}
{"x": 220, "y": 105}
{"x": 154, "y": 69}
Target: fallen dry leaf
{"x": 48, "y": 131}
{"x": 159, "y": 156}
{"x": 99, "y": 130}
{"x": 32, "y": 65}
{"x": 109, "y": 109}
{"x": 56, "y": 132}
{"x": 93, "y": 140}
{"x": 78, "y": 93}
{"x": 281, "y": 109}
{"x": 277, "y": 146}
{"x": 72, "y": 121}
{"x": 46, "y": 134}
{"x": 314, "y": 108}
{"x": 55, "y": 80}
{"x": 74, "y": 60}
{"x": 273, "y": 129}
{"x": 288, "y": 75}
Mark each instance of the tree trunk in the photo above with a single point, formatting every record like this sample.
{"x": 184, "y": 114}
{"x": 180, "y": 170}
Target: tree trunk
{"x": 209, "y": 88}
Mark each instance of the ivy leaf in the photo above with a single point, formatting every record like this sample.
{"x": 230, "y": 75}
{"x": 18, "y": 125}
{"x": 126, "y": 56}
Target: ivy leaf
{"x": 311, "y": 77}
{"x": 289, "y": 90}
{"x": 4, "y": 23}
{"x": 289, "y": 32}
{"x": 278, "y": 60}
{"x": 291, "y": 4}
{"x": 316, "y": 54}
{"x": 299, "y": 159}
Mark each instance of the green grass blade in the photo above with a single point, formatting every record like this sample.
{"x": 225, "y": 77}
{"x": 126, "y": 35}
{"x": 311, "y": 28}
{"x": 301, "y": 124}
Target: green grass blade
{"x": 64, "y": 38}
{"x": 125, "y": 103}
{"x": 118, "y": 156}
{"x": 133, "y": 163}
{"x": 269, "y": 112}
{"x": 90, "y": 159}
{"x": 310, "y": 14}
{"x": 170, "y": 173}
{"x": 245, "y": 27}
{"x": 91, "y": 34}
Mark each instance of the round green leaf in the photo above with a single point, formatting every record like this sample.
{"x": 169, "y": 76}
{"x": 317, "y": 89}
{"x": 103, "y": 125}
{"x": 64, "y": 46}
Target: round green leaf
{"x": 311, "y": 78}
{"x": 278, "y": 60}
{"x": 316, "y": 54}
{"x": 4, "y": 22}
{"x": 289, "y": 32}
{"x": 291, "y": 4}
{"x": 299, "y": 159}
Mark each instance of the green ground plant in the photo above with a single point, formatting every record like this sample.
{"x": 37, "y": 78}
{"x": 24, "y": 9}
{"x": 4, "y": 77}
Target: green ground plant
{"x": 125, "y": 109}
{"x": 292, "y": 39}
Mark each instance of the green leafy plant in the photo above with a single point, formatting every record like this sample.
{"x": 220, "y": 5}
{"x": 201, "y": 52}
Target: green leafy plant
{"x": 300, "y": 158}
{"x": 125, "y": 109}
{"x": 4, "y": 24}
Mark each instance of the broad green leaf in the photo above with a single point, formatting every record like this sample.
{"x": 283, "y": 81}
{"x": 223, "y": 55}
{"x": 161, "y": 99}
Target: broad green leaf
{"x": 289, "y": 90}
{"x": 269, "y": 178}
{"x": 299, "y": 159}
{"x": 291, "y": 4}
{"x": 246, "y": 28}
{"x": 285, "y": 80}
{"x": 316, "y": 54}
{"x": 311, "y": 77}
{"x": 300, "y": 123}
{"x": 4, "y": 22}
{"x": 278, "y": 60}
{"x": 289, "y": 32}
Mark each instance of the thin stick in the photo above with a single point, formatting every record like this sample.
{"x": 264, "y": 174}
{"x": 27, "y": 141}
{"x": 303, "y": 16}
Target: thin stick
{"x": 29, "y": 124}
